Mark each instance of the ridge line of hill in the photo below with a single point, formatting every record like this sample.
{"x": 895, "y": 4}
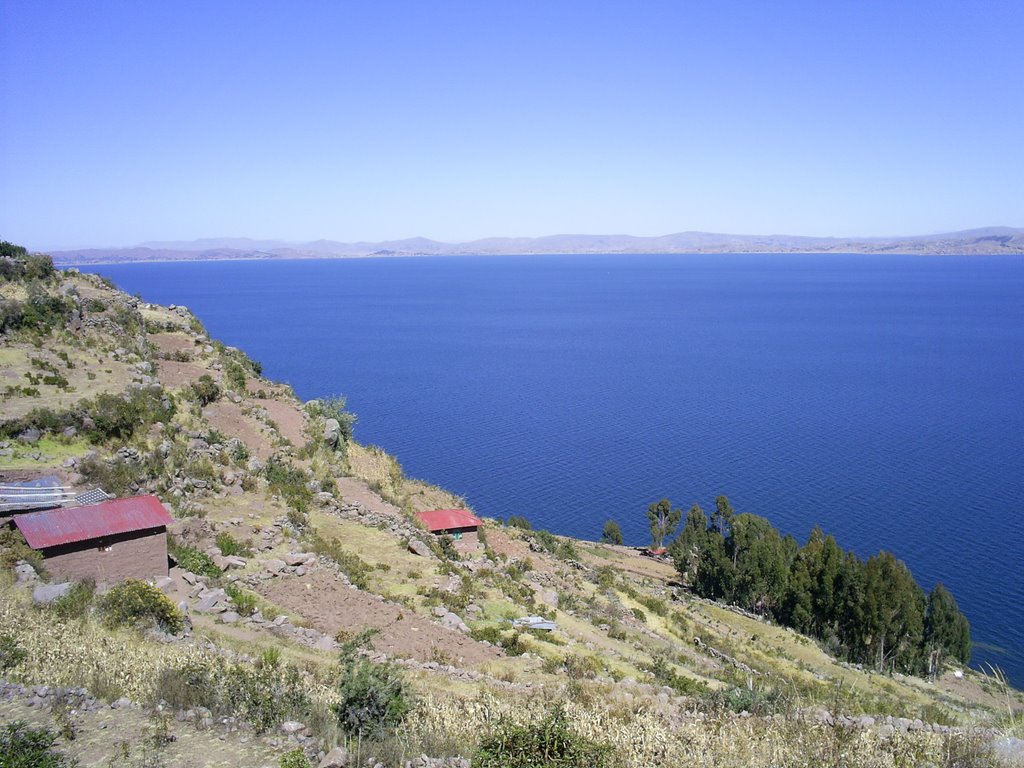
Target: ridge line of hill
{"x": 982, "y": 241}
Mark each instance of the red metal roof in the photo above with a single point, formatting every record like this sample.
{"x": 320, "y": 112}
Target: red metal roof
{"x": 446, "y": 519}
{"x": 70, "y": 524}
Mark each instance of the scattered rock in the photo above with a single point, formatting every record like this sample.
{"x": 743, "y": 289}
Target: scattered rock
{"x": 30, "y": 436}
{"x": 325, "y": 643}
{"x": 417, "y": 547}
{"x": 336, "y": 758}
{"x": 47, "y": 593}
{"x": 25, "y": 573}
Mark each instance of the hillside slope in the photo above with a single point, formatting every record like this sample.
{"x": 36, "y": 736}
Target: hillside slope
{"x": 299, "y": 540}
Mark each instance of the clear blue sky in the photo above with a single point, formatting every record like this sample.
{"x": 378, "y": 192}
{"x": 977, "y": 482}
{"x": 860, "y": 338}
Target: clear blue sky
{"x": 130, "y": 121}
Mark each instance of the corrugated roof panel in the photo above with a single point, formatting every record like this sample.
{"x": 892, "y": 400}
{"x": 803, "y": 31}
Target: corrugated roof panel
{"x": 447, "y": 519}
{"x": 70, "y": 524}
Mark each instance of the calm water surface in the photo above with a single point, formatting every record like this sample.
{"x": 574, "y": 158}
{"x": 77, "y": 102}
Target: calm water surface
{"x": 880, "y": 397}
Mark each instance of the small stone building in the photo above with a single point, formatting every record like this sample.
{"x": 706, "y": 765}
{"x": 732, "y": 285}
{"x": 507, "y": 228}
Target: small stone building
{"x": 109, "y": 542}
{"x": 462, "y": 525}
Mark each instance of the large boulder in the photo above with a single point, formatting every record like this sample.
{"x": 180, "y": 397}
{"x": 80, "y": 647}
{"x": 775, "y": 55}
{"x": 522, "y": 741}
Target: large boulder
{"x": 336, "y": 758}
{"x": 47, "y": 593}
{"x": 417, "y": 547}
{"x": 332, "y": 431}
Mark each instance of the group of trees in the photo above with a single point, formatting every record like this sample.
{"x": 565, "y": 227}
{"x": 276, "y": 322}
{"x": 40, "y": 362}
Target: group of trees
{"x": 868, "y": 611}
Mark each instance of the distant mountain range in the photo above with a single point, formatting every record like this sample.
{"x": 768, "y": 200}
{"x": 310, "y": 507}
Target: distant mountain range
{"x": 989, "y": 240}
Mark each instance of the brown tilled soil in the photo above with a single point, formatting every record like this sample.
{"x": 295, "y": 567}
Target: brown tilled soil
{"x": 291, "y": 422}
{"x": 355, "y": 491}
{"x": 169, "y": 343}
{"x": 228, "y": 418}
{"x": 329, "y": 606}
{"x": 173, "y": 374}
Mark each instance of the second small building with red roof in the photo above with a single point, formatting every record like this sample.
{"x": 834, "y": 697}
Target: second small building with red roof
{"x": 461, "y": 524}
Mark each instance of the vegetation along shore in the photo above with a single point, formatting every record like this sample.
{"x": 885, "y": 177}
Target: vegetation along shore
{"x": 309, "y": 613}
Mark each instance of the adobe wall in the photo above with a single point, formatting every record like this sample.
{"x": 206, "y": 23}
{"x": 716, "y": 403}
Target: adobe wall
{"x": 141, "y": 555}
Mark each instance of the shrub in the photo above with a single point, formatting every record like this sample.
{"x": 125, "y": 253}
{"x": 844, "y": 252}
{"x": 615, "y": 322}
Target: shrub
{"x": 191, "y": 559}
{"x": 578, "y": 667}
{"x": 756, "y": 701}
{"x": 663, "y": 673}
{"x": 653, "y": 604}
{"x": 245, "y": 602}
{"x": 138, "y": 604}
{"x": 115, "y": 476}
{"x": 11, "y": 654}
{"x": 205, "y": 390}
{"x": 517, "y": 521}
{"x": 512, "y": 643}
{"x": 235, "y": 375}
{"x": 349, "y": 563}
{"x": 229, "y": 545}
{"x": 372, "y": 698}
{"x": 611, "y": 534}
{"x": 294, "y": 759}
{"x": 76, "y": 603}
{"x": 25, "y": 747}
{"x": 13, "y": 548}
{"x": 289, "y": 483}
{"x": 549, "y": 743}
{"x": 261, "y": 694}
{"x": 334, "y": 408}
{"x": 119, "y": 416}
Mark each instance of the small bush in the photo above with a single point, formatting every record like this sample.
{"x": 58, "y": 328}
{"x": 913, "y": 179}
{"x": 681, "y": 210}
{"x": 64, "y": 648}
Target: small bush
{"x": 245, "y": 602}
{"x": 756, "y": 701}
{"x": 374, "y": 698}
{"x": 663, "y": 673}
{"x": 25, "y": 747}
{"x": 13, "y": 548}
{"x": 117, "y": 417}
{"x": 261, "y": 694}
{"x": 138, "y": 604}
{"x": 289, "y": 483}
{"x": 191, "y": 559}
{"x": 11, "y": 654}
{"x": 76, "y": 603}
{"x": 294, "y": 759}
{"x": 517, "y": 521}
{"x": 512, "y": 642}
{"x": 578, "y": 667}
{"x": 611, "y": 533}
{"x": 349, "y": 563}
{"x": 235, "y": 375}
{"x": 205, "y": 390}
{"x": 549, "y": 743}
{"x": 229, "y": 545}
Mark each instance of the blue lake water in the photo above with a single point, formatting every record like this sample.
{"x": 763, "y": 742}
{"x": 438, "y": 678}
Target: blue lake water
{"x": 881, "y": 397}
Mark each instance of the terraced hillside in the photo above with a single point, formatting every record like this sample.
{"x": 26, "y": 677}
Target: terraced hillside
{"x": 319, "y": 614}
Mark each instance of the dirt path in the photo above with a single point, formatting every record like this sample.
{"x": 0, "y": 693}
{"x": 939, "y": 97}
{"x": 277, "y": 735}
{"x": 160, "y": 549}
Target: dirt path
{"x": 329, "y": 606}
